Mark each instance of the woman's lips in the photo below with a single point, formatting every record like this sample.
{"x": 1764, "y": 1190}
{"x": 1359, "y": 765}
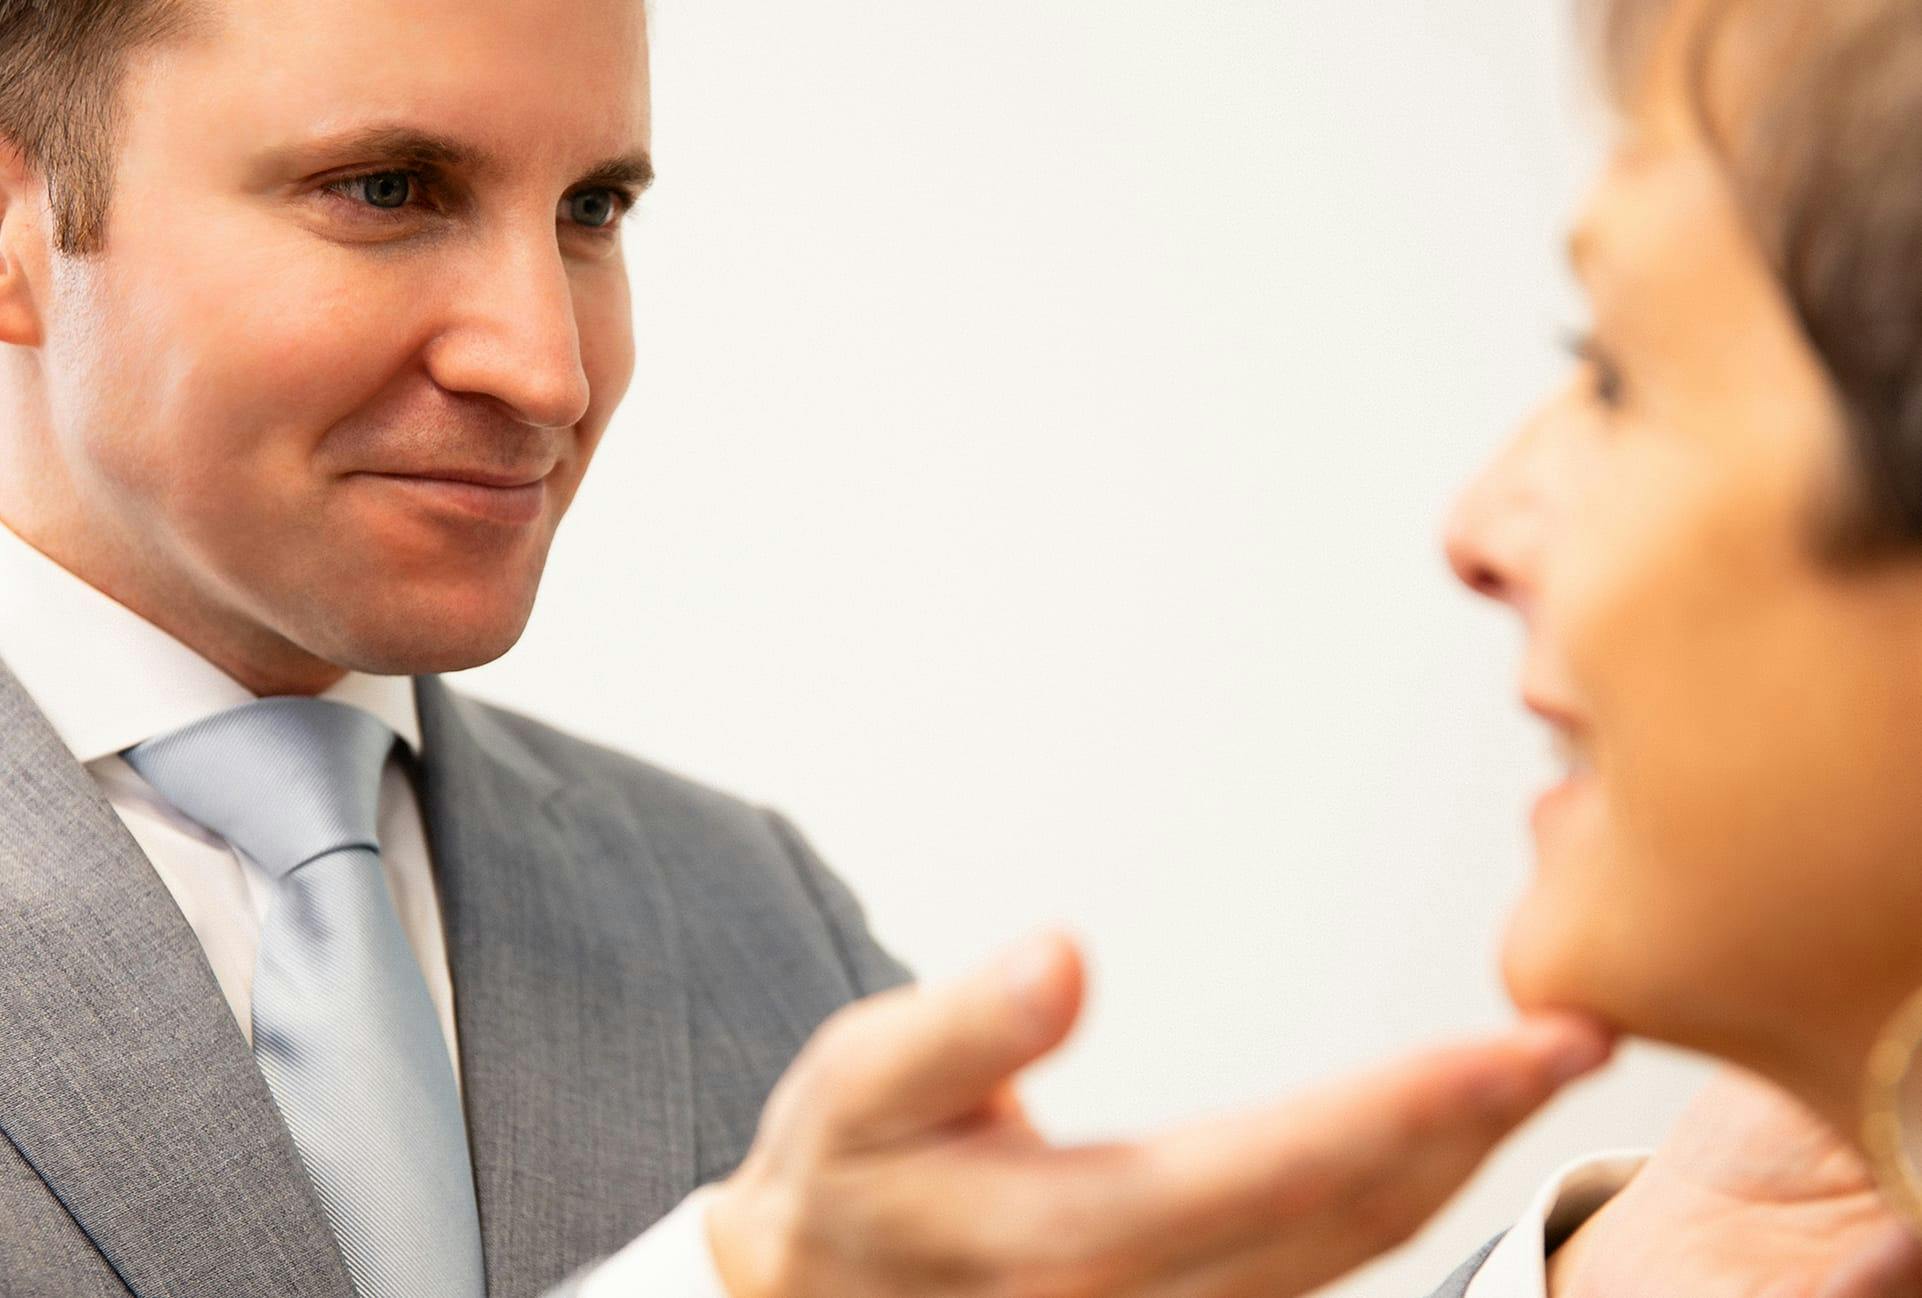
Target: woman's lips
{"x": 1569, "y": 740}
{"x": 512, "y": 506}
{"x": 1555, "y": 801}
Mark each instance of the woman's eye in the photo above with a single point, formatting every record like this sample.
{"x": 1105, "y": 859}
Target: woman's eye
{"x": 1604, "y": 375}
{"x": 1605, "y": 380}
{"x": 1608, "y": 384}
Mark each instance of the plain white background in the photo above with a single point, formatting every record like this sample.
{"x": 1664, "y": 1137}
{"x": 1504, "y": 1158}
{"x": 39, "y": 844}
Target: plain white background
{"x": 1032, "y": 483}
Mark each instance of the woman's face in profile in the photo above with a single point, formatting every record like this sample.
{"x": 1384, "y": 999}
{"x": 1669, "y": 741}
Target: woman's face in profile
{"x": 1736, "y": 863}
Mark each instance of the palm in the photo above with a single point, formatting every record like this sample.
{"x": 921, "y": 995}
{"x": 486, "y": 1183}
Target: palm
{"x": 1751, "y": 1196}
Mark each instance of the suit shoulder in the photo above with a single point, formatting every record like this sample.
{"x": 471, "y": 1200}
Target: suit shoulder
{"x": 575, "y": 760}
{"x": 743, "y": 877}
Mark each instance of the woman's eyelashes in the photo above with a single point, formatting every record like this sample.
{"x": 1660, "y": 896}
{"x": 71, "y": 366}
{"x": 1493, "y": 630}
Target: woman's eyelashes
{"x": 1604, "y": 374}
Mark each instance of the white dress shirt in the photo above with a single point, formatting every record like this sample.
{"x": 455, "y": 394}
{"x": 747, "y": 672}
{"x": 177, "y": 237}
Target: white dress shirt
{"x": 1518, "y": 1268}
{"x": 108, "y": 679}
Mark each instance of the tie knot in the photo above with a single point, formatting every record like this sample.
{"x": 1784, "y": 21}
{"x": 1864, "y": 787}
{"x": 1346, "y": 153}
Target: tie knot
{"x": 284, "y": 779}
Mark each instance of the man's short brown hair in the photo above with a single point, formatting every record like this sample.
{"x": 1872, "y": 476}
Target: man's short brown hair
{"x": 61, "y": 65}
{"x": 1820, "y": 128}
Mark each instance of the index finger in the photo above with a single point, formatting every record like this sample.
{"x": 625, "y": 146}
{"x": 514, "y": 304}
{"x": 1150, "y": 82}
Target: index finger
{"x": 1362, "y": 1160}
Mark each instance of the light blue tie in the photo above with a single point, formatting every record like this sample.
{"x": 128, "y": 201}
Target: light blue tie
{"x": 344, "y": 1031}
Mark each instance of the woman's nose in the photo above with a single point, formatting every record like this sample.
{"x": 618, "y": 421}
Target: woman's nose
{"x": 1492, "y": 534}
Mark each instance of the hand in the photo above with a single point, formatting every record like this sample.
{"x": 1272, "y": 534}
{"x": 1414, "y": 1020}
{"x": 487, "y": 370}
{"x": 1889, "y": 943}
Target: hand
{"x": 894, "y": 1158}
{"x": 1751, "y": 1196}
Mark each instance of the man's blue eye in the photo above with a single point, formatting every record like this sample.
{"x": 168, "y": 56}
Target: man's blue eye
{"x": 598, "y": 211}
{"x": 388, "y": 189}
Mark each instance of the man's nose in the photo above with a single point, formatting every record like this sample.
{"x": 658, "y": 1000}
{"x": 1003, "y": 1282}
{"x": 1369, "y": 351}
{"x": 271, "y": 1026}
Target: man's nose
{"x": 515, "y": 336}
{"x": 1493, "y": 533}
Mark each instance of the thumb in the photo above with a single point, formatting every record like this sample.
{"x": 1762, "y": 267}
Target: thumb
{"x": 914, "y": 1059}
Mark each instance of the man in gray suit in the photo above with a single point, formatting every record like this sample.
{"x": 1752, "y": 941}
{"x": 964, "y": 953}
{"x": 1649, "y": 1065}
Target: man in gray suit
{"x": 319, "y": 980}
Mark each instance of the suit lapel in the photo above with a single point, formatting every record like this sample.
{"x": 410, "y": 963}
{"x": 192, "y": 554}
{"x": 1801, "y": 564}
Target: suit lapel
{"x": 124, "y": 1079}
{"x": 128, "y": 1086}
{"x": 569, "y": 997}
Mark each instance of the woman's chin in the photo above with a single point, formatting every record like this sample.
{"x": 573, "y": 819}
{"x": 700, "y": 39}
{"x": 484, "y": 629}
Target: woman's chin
{"x": 1549, "y": 962}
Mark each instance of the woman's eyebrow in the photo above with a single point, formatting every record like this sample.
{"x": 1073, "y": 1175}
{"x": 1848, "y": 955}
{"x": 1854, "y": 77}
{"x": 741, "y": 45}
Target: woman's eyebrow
{"x": 412, "y": 146}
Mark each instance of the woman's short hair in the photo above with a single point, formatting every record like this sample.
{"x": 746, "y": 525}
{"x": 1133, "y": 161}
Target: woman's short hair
{"x": 1815, "y": 107}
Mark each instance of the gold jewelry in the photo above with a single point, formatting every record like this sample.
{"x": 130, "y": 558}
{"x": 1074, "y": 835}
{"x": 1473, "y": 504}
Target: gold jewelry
{"x": 1892, "y": 1112}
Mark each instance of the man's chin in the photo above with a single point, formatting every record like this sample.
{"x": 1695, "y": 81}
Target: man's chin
{"x": 418, "y": 637}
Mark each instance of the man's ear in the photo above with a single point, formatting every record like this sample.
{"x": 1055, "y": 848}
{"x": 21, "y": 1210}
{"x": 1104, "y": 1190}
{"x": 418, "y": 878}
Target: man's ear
{"x": 22, "y": 248}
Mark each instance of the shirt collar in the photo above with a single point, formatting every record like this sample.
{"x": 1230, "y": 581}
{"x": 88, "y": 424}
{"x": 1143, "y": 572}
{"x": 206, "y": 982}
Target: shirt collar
{"x": 108, "y": 679}
{"x": 1519, "y": 1263}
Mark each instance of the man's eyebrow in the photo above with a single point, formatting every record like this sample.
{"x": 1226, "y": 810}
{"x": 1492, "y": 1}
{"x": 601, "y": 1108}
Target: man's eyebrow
{"x": 634, "y": 170}
{"x": 411, "y": 146}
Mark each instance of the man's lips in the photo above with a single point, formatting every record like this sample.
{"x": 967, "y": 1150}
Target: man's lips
{"x": 512, "y": 499}
{"x": 474, "y": 477}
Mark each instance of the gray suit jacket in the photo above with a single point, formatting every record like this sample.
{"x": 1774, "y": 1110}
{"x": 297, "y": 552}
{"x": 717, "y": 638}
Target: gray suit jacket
{"x": 635, "y": 960}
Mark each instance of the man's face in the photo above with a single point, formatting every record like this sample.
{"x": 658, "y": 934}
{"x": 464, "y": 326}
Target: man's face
{"x": 324, "y": 395}
{"x": 1731, "y": 865}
